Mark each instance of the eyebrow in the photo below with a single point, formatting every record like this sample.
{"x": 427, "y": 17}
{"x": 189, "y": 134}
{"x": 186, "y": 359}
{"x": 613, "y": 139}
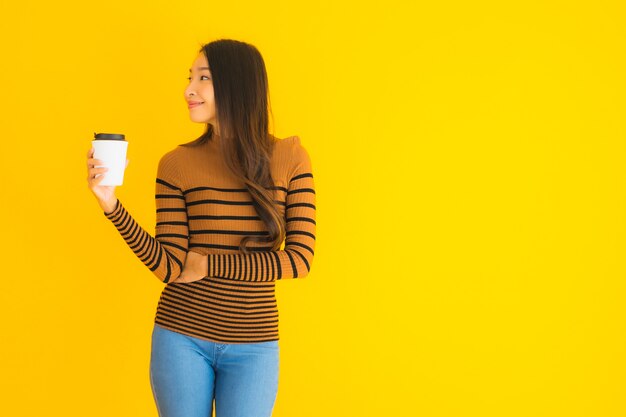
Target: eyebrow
{"x": 201, "y": 68}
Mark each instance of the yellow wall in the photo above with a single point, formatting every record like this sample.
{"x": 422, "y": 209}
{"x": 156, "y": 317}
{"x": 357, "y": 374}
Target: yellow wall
{"x": 470, "y": 185}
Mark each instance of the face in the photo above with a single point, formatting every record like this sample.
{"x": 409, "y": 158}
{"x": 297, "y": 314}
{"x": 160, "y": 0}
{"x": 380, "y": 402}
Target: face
{"x": 200, "y": 89}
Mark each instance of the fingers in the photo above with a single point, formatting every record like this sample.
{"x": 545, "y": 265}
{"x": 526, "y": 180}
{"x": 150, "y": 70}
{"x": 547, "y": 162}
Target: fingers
{"x": 92, "y": 171}
{"x": 94, "y": 180}
{"x": 180, "y": 279}
{"x": 92, "y": 174}
{"x": 92, "y": 161}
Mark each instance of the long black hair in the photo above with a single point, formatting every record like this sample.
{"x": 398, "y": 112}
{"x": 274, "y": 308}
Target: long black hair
{"x": 242, "y": 109}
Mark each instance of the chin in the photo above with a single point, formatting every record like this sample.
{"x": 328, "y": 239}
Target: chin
{"x": 197, "y": 119}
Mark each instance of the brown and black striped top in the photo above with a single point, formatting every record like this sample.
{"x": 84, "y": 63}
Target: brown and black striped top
{"x": 200, "y": 205}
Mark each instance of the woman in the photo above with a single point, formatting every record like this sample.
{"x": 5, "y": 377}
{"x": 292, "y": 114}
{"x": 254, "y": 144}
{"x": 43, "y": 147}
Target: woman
{"x": 225, "y": 202}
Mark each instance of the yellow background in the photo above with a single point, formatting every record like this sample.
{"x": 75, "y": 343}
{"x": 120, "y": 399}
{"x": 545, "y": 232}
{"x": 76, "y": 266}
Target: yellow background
{"x": 468, "y": 159}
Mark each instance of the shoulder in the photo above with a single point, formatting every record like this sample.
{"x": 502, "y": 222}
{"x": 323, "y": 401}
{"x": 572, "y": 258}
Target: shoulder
{"x": 168, "y": 163}
{"x": 287, "y": 142}
{"x": 171, "y": 156}
{"x": 294, "y": 156}
{"x": 292, "y": 148}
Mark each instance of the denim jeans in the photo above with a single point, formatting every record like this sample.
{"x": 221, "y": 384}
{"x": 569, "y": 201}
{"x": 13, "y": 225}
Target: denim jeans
{"x": 188, "y": 373}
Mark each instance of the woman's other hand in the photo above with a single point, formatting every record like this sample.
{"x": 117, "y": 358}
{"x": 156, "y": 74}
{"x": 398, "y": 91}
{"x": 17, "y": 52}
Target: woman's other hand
{"x": 105, "y": 194}
{"x": 196, "y": 268}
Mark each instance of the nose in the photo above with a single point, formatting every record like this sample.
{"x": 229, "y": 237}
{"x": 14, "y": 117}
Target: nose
{"x": 189, "y": 91}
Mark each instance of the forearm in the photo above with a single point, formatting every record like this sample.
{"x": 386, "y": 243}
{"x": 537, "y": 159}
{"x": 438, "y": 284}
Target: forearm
{"x": 296, "y": 259}
{"x": 261, "y": 266}
{"x": 164, "y": 258}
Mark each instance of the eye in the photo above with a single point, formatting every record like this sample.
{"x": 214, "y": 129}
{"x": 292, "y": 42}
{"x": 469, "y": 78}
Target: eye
{"x": 189, "y": 78}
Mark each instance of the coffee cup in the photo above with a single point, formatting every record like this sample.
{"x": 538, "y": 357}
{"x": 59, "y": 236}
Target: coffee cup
{"x": 110, "y": 148}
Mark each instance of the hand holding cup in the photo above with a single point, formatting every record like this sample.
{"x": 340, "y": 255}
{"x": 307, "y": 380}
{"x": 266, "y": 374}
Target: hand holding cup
{"x": 105, "y": 194}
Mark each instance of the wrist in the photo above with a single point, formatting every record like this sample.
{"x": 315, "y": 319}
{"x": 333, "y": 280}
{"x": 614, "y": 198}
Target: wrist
{"x": 110, "y": 205}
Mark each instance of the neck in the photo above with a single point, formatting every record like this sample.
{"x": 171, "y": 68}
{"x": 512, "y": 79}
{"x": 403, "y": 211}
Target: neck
{"x": 215, "y": 139}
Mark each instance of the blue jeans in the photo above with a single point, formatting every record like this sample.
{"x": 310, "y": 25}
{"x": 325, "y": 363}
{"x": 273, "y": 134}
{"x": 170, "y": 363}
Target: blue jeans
{"x": 187, "y": 373}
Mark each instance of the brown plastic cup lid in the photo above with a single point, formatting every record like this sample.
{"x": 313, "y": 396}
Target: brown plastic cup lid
{"x": 108, "y": 136}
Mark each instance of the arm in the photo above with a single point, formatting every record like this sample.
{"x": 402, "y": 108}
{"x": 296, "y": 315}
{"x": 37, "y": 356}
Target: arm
{"x": 296, "y": 259}
{"x": 165, "y": 253}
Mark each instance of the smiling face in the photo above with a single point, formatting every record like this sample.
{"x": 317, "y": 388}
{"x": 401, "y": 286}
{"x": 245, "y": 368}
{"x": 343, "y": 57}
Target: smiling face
{"x": 200, "y": 89}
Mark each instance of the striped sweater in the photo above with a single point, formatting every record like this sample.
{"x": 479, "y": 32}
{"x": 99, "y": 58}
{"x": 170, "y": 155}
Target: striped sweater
{"x": 200, "y": 205}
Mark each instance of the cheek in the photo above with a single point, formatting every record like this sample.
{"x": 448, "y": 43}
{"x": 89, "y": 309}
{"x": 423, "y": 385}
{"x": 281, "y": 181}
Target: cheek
{"x": 210, "y": 104}
{"x": 207, "y": 93}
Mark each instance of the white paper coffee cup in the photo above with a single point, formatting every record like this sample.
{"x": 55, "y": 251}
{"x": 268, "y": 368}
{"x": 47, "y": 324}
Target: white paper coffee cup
{"x": 111, "y": 149}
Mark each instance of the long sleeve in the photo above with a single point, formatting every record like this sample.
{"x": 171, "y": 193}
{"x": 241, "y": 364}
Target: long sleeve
{"x": 165, "y": 253}
{"x": 297, "y": 257}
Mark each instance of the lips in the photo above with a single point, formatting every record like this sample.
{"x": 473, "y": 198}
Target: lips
{"x": 191, "y": 104}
